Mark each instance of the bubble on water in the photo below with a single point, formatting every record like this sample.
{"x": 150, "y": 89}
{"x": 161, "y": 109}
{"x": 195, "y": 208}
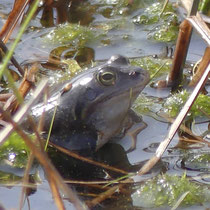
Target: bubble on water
{"x": 11, "y": 157}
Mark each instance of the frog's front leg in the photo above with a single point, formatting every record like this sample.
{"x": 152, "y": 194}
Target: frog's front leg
{"x": 136, "y": 126}
{"x": 133, "y": 132}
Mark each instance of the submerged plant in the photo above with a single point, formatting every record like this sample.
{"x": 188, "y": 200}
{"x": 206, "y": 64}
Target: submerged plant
{"x": 70, "y": 33}
{"x": 153, "y": 64}
{"x": 164, "y": 24}
{"x": 198, "y": 162}
{"x": 14, "y": 151}
{"x": 147, "y": 105}
{"x": 8, "y": 177}
{"x": 165, "y": 190}
{"x": 173, "y": 105}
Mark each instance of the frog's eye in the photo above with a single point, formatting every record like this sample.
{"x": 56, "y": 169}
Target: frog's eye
{"x": 106, "y": 78}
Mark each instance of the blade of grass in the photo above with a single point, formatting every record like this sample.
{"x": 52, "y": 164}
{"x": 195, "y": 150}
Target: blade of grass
{"x": 23, "y": 111}
{"x": 14, "y": 88}
{"x": 118, "y": 179}
{"x": 94, "y": 183}
{"x": 79, "y": 157}
{"x": 25, "y": 180}
{"x": 102, "y": 196}
{"x": 177, "y": 204}
{"x": 56, "y": 195}
{"x": 13, "y": 18}
{"x": 157, "y": 71}
{"x": 51, "y": 125}
{"x": 13, "y": 60}
{"x": 18, "y": 37}
{"x": 201, "y": 27}
{"x": 164, "y": 7}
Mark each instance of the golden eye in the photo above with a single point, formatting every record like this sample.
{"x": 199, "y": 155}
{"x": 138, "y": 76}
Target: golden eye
{"x": 106, "y": 78}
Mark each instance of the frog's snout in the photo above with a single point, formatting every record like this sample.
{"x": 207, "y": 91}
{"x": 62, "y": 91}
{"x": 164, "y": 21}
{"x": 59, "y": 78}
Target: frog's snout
{"x": 141, "y": 74}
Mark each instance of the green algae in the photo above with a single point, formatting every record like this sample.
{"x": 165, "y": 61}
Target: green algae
{"x": 174, "y": 104}
{"x": 165, "y": 190}
{"x": 153, "y": 65}
{"x": 14, "y": 151}
{"x": 199, "y": 162}
{"x": 71, "y": 33}
{"x": 163, "y": 25}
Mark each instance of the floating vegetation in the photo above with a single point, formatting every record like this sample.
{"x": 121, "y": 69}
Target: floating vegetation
{"x": 174, "y": 104}
{"x": 8, "y": 177}
{"x": 14, "y": 151}
{"x": 112, "y": 24}
{"x": 147, "y": 105}
{"x": 71, "y": 33}
{"x": 164, "y": 26}
{"x": 205, "y": 7}
{"x": 165, "y": 190}
{"x": 120, "y": 7}
{"x": 153, "y": 64}
{"x": 72, "y": 69}
{"x": 198, "y": 162}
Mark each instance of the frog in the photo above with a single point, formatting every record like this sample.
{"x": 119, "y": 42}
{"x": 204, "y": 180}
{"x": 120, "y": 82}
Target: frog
{"x": 94, "y": 106}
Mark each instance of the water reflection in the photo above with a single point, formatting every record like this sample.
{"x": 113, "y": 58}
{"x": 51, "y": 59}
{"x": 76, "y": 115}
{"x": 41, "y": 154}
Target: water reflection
{"x": 111, "y": 154}
{"x": 83, "y": 55}
{"x": 57, "y": 12}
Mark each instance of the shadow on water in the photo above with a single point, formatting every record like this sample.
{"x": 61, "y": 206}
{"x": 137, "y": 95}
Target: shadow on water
{"x": 111, "y": 154}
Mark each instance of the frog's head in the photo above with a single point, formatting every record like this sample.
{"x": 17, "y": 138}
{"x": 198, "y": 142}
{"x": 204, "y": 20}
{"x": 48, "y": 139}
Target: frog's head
{"x": 106, "y": 92}
{"x": 118, "y": 78}
{"x": 92, "y": 107}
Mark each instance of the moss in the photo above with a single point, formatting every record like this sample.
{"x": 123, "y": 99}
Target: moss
{"x": 153, "y": 64}
{"x": 165, "y": 190}
{"x": 14, "y": 151}
{"x": 205, "y": 7}
{"x": 8, "y": 177}
{"x": 198, "y": 162}
{"x": 147, "y": 105}
{"x": 70, "y": 33}
{"x": 175, "y": 103}
{"x": 164, "y": 26}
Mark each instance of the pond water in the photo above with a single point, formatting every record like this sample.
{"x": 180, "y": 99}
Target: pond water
{"x": 114, "y": 32}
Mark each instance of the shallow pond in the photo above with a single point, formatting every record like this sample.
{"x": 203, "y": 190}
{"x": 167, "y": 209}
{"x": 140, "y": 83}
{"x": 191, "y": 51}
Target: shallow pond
{"x": 106, "y": 28}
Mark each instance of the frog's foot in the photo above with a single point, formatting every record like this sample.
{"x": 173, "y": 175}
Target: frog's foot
{"x": 133, "y": 132}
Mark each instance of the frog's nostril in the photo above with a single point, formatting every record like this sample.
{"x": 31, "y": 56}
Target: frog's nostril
{"x": 134, "y": 73}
